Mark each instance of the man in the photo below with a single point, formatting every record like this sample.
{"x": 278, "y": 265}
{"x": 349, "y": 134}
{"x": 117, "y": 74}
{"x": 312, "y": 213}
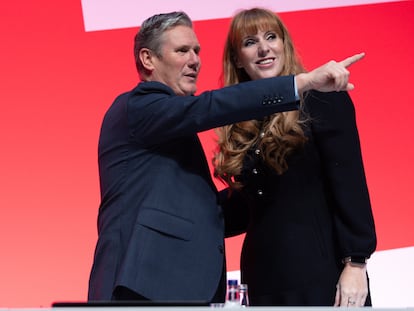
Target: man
{"x": 160, "y": 224}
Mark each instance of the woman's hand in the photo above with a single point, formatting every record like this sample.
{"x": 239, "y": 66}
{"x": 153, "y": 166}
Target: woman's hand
{"x": 352, "y": 287}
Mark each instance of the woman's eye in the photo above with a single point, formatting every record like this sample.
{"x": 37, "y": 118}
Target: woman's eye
{"x": 271, "y": 36}
{"x": 249, "y": 42}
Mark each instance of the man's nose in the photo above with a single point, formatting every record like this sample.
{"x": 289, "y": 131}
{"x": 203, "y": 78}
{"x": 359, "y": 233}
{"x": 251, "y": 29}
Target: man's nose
{"x": 194, "y": 60}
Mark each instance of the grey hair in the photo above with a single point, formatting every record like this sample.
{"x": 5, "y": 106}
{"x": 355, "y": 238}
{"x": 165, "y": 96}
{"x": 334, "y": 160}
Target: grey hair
{"x": 150, "y": 33}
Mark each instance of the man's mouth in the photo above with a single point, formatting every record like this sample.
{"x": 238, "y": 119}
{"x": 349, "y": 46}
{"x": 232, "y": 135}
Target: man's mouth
{"x": 191, "y": 75}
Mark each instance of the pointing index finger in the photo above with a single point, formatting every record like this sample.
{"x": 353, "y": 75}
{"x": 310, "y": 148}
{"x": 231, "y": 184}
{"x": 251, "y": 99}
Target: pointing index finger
{"x": 352, "y": 59}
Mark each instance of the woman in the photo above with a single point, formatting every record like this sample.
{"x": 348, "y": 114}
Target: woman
{"x": 310, "y": 225}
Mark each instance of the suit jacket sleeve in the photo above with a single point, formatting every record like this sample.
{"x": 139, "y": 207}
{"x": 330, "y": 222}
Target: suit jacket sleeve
{"x": 157, "y": 115}
{"x": 336, "y": 136}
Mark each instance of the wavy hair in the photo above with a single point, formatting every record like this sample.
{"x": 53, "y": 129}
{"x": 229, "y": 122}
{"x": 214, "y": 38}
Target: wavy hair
{"x": 275, "y": 136}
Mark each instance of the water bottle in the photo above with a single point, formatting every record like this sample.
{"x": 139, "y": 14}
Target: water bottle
{"x": 243, "y": 295}
{"x": 232, "y": 298}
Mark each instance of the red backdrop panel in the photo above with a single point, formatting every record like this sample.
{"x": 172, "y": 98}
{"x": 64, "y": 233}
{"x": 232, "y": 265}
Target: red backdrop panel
{"x": 57, "y": 81}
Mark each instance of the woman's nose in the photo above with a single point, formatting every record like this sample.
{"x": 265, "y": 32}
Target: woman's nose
{"x": 263, "y": 48}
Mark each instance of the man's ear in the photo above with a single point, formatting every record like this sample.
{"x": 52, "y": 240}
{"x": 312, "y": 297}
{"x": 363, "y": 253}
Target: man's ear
{"x": 146, "y": 57}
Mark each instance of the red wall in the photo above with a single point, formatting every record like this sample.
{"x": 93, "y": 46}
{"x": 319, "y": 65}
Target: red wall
{"x": 57, "y": 81}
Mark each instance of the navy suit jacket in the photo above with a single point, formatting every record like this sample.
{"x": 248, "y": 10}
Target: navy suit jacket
{"x": 160, "y": 223}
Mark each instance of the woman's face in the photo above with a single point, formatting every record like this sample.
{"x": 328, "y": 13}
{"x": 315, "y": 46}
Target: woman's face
{"x": 261, "y": 55}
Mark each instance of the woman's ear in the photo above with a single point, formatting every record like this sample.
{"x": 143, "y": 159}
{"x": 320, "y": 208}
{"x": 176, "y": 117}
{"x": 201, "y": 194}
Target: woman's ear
{"x": 238, "y": 63}
{"x": 145, "y": 56}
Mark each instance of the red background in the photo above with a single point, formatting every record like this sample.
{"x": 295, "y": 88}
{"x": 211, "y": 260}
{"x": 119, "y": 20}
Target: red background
{"x": 58, "y": 80}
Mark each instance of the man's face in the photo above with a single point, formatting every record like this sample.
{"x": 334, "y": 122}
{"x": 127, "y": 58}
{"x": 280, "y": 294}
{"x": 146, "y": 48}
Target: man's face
{"x": 180, "y": 62}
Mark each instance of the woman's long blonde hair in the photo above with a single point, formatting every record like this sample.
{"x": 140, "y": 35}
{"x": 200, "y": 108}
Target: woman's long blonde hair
{"x": 283, "y": 131}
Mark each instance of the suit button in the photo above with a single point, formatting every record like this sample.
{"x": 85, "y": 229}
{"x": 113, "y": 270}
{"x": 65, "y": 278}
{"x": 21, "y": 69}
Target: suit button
{"x": 221, "y": 249}
{"x": 259, "y": 192}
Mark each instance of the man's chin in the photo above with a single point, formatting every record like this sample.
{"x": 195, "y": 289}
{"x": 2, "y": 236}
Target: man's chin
{"x": 191, "y": 91}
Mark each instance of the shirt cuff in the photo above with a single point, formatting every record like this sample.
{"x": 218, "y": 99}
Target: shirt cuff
{"x": 296, "y": 88}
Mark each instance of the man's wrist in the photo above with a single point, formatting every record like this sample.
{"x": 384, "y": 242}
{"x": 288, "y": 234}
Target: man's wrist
{"x": 302, "y": 83}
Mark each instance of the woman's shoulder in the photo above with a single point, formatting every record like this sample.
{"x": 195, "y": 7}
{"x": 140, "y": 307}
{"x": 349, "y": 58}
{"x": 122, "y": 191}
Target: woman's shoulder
{"x": 328, "y": 103}
{"x": 314, "y": 96}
